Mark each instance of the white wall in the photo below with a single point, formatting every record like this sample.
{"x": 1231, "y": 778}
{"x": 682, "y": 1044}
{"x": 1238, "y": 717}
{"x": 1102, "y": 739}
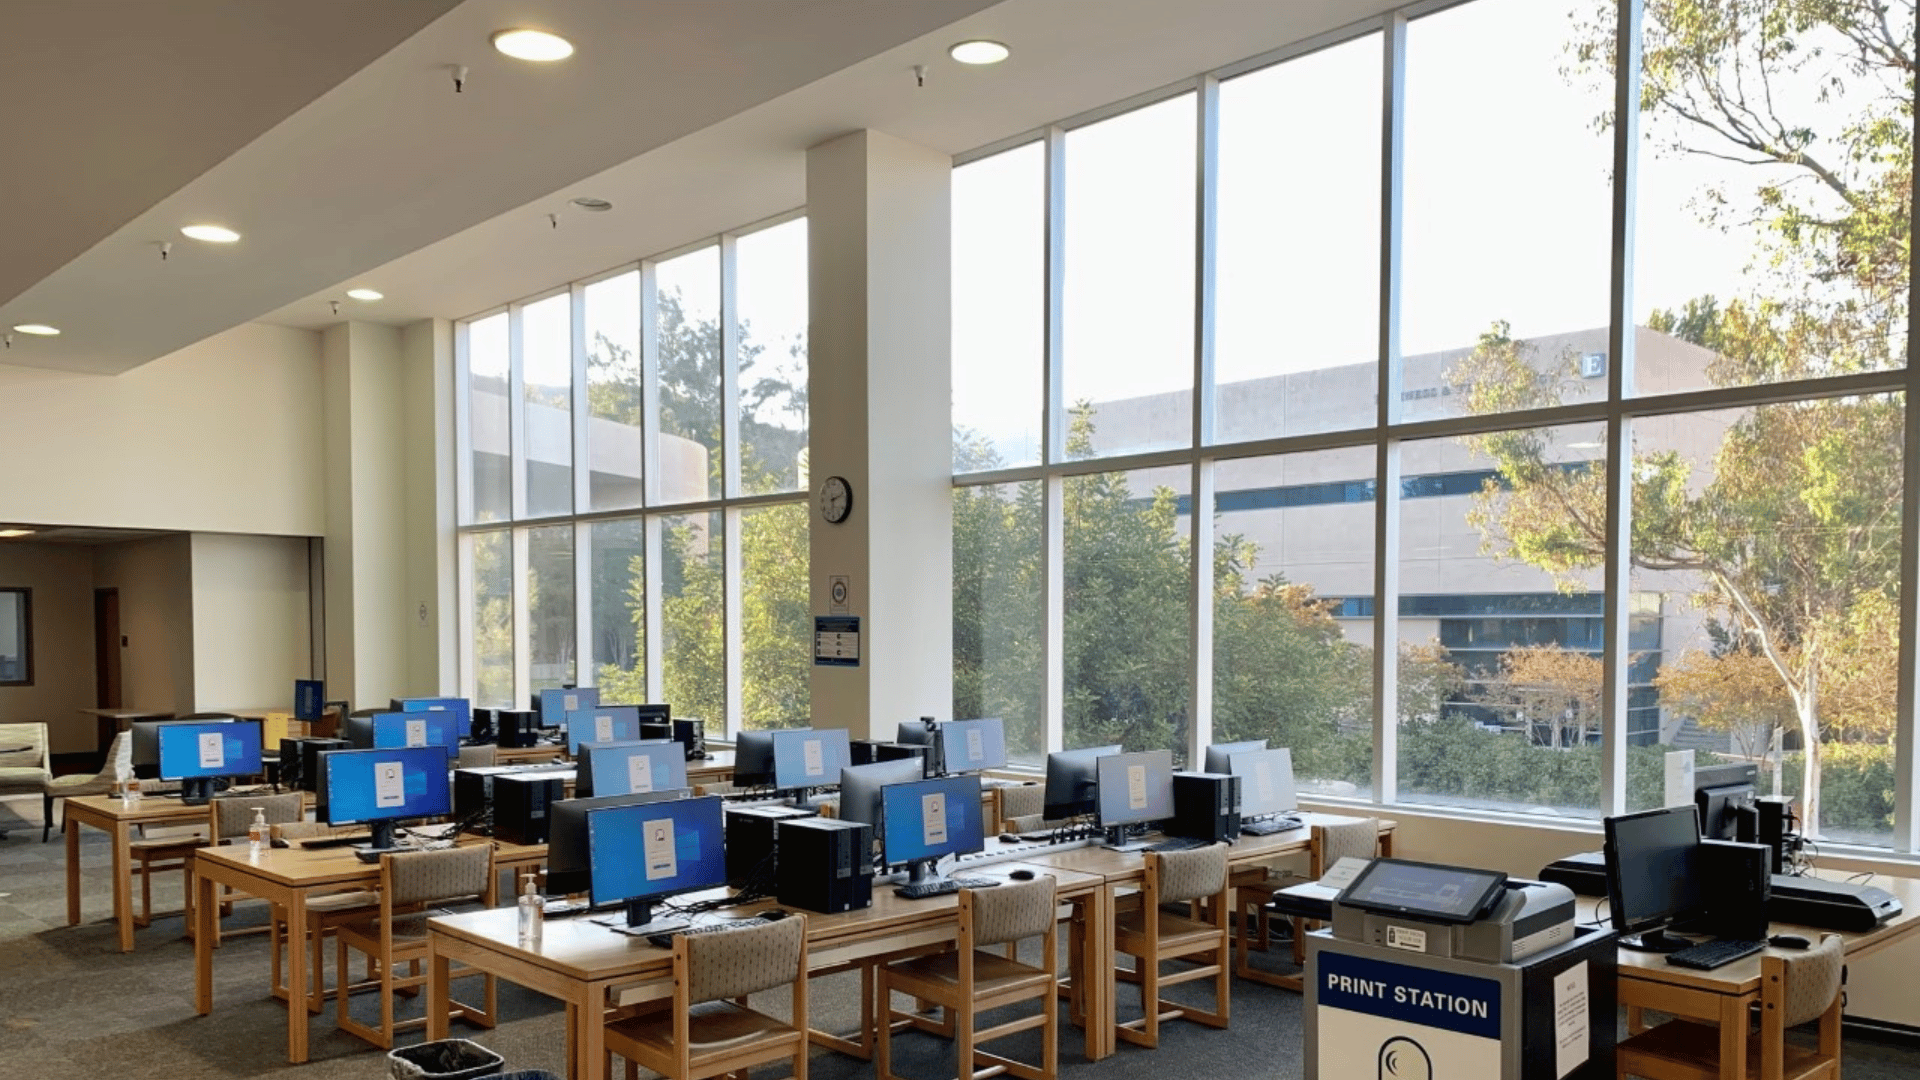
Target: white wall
{"x": 220, "y": 436}
{"x": 251, "y": 628}
{"x": 155, "y": 579}
{"x": 428, "y": 451}
{"x": 61, "y": 577}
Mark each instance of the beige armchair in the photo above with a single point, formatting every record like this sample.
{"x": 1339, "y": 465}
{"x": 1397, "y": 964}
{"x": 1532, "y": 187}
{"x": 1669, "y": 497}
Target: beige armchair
{"x": 100, "y": 783}
{"x": 24, "y": 769}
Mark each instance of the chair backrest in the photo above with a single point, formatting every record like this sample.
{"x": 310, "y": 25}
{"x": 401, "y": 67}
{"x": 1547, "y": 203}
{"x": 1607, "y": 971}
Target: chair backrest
{"x": 743, "y": 961}
{"x": 430, "y": 877}
{"x": 1026, "y": 800}
{"x": 1810, "y": 980}
{"x": 232, "y": 816}
{"x": 31, "y": 736}
{"x": 1010, "y": 912}
{"x": 307, "y": 830}
{"x": 479, "y": 756}
{"x": 1346, "y": 840}
{"x": 1179, "y": 876}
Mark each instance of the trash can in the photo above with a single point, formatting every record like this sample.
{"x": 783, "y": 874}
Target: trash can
{"x": 445, "y": 1059}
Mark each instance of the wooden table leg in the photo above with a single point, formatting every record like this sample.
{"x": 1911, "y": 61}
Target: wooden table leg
{"x": 593, "y": 1034}
{"x": 574, "y": 1071}
{"x": 439, "y": 994}
{"x": 1096, "y": 973}
{"x": 1733, "y": 1037}
{"x": 296, "y": 967}
{"x": 123, "y": 882}
{"x": 203, "y": 948}
{"x": 72, "y": 829}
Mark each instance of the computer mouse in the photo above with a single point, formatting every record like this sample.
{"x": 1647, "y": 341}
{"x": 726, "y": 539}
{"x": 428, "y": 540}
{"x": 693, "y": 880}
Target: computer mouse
{"x": 1789, "y": 941}
{"x": 1021, "y": 875}
{"x": 1009, "y": 838}
{"x": 279, "y": 842}
{"x": 773, "y": 914}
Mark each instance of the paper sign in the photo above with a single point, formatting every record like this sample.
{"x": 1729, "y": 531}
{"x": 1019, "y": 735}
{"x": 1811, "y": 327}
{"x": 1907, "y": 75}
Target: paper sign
{"x": 816, "y": 764}
{"x": 1136, "y": 787}
{"x": 1679, "y": 785}
{"x": 603, "y": 728}
{"x": 416, "y": 733}
{"x": 639, "y": 773}
{"x": 1405, "y": 937}
{"x": 976, "y": 750}
{"x": 1343, "y": 871}
{"x": 657, "y": 841}
{"x": 933, "y": 819}
{"x": 1570, "y": 1019}
{"x": 569, "y": 702}
{"x": 213, "y": 751}
{"x": 389, "y": 786}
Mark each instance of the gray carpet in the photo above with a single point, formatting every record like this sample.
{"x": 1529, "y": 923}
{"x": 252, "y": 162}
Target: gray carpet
{"x": 72, "y": 1007}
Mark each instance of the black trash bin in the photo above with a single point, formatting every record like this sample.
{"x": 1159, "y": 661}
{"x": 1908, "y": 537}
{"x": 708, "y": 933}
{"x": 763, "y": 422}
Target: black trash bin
{"x": 444, "y": 1059}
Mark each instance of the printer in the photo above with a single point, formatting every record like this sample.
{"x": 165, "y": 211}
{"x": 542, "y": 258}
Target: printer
{"x": 1518, "y": 920}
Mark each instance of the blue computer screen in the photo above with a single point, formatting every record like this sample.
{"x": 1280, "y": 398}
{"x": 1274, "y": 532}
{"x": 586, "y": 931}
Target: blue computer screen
{"x": 190, "y": 750}
{"x": 972, "y": 745}
{"x": 622, "y": 768}
{"x": 460, "y": 707}
{"x": 928, "y": 819}
{"x": 399, "y": 729}
{"x": 808, "y": 758}
{"x": 556, "y": 704}
{"x": 1135, "y": 787}
{"x": 602, "y": 723}
{"x": 375, "y": 785}
{"x": 655, "y": 849}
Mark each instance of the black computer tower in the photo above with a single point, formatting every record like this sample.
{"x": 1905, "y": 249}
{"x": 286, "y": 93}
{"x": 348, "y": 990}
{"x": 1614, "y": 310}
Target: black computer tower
{"x": 293, "y": 763}
{"x": 826, "y": 864}
{"x": 865, "y": 751}
{"x": 480, "y": 726}
{"x": 691, "y": 734}
{"x": 516, "y": 728}
{"x": 310, "y": 751}
{"x": 750, "y": 837}
{"x": 1205, "y": 805}
{"x": 473, "y": 787}
{"x": 1735, "y": 883}
{"x": 893, "y": 751}
{"x": 521, "y": 802}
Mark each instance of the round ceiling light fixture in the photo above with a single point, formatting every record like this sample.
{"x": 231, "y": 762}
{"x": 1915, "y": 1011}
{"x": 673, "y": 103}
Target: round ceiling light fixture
{"x": 212, "y": 234}
{"x": 979, "y": 51}
{"x": 366, "y": 294}
{"x": 38, "y": 329}
{"x": 588, "y": 202}
{"x": 538, "y": 46}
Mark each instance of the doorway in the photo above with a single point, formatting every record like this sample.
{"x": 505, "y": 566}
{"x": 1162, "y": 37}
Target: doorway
{"x": 106, "y": 662}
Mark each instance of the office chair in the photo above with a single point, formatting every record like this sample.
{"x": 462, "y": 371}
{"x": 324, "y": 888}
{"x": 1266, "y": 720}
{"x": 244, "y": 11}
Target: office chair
{"x": 967, "y": 980}
{"x": 706, "y": 1028}
{"x": 1794, "y": 989}
{"x": 409, "y": 882}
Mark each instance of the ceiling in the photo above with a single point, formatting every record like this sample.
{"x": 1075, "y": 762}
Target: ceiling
{"x": 346, "y": 158}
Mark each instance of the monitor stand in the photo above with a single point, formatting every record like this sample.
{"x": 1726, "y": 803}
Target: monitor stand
{"x": 196, "y": 790}
{"x": 921, "y": 872}
{"x": 1654, "y": 941}
{"x": 380, "y": 835}
{"x": 640, "y": 920}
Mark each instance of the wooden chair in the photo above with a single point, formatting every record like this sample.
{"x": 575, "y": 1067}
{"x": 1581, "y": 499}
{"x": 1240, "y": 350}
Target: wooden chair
{"x": 101, "y": 783}
{"x": 1327, "y": 844}
{"x": 966, "y": 981}
{"x": 481, "y": 755}
{"x": 1151, "y": 936}
{"x": 410, "y": 883}
{"x": 717, "y": 972}
{"x": 1794, "y": 989}
{"x": 324, "y": 915}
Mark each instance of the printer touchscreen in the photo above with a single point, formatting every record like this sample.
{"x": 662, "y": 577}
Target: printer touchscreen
{"x": 1447, "y": 894}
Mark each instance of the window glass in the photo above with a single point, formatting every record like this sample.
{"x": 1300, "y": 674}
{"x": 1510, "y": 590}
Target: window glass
{"x": 693, "y": 617}
{"x": 551, "y": 642}
{"x": 776, "y": 620}
{"x": 999, "y": 309}
{"x": 619, "y": 553}
{"x": 687, "y": 294}
{"x": 492, "y": 612}
{"x": 489, "y": 442}
{"x": 16, "y": 637}
{"x": 546, "y": 344}
{"x": 611, "y": 312}
{"x": 998, "y": 612}
{"x": 770, "y": 294}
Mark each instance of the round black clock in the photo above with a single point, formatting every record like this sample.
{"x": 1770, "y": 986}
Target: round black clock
{"x": 836, "y": 500}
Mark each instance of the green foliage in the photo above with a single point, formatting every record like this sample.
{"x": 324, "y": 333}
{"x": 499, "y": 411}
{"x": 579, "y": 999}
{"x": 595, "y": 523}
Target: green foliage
{"x": 1452, "y": 758}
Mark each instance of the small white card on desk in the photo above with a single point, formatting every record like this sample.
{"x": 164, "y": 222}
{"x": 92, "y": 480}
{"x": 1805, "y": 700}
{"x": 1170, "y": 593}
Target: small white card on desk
{"x": 1343, "y": 872}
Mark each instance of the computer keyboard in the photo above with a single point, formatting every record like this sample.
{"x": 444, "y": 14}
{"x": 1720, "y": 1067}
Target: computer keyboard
{"x": 1271, "y": 826}
{"x": 665, "y": 941}
{"x": 334, "y": 841}
{"x": 1178, "y": 843}
{"x": 1712, "y": 954}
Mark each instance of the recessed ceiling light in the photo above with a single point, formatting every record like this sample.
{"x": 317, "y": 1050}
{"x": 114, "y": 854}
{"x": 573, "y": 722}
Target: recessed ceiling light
{"x": 979, "y": 52}
{"x": 536, "y": 45}
{"x": 212, "y": 234}
{"x": 366, "y": 294}
{"x": 9, "y": 534}
{"x": 38, "y": 329}
{"x": 588, "y": 202}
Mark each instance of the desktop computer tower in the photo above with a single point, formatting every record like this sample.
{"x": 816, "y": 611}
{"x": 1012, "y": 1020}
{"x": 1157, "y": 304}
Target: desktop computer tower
{"x": 1205, "y": 805}
{"x": 826, "y": 864}
{"x": 895, "y": 751}
{"x": 293, "y": 763}
{"x": 691, "y": 734}
{"x": 480, "y": 727}
{"x": 865, "y": 751}
{"x": 473, "y": 788}
{"x": 308, "y": 755}
{"x": 1735, "y": 884}
{"x": 521, "y": 802}
{"x": 516, "y": 728}
{"x": 750, "y": 837}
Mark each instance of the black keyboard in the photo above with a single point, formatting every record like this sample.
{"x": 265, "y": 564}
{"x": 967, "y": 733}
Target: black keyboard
{"x": 1712, "y": 954}
{"x": 665, "y": 941}
{"x": 1271, "y": 826}
{"x": 942, "y": 887}
{"x": 1178, "y": 843}
{"x": 372, "y": 854}
{"x": 334, "y": 841}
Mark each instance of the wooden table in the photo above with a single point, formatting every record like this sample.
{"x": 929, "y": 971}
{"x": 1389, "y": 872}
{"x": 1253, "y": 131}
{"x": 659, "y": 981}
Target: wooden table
{"x": 114, "y": 721}
{"x": 106, "y": 813}
{"x": 529, "y": 755}
{"x": 716, "y": 767}
{"x": 285, "y": 878}
{"x": 585, "y": 964}
{"x": 1725, "y": 994}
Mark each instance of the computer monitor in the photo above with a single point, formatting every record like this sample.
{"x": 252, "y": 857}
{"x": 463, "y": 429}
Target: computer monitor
{"x": 642, "y": 854}
{"x": 358, "y": 731}
{"x": 399, "y": 729}
{"x": 1266, "y": 782}
{"x": 309, "y": 699}
{"x": 381, "y": 787}
{"x": 602, "y": 723}
{"x": 196, "y": 754}
{"x": 860, "y": 787}
{"x": 753, "y": 758}
{"x": 460, "y": 707}
{"x": 1218, "y": 757}
{"x": 809, "y": 757}
{"x": 973, "y": 745}
{"x": 1722, "y": 793}
{"x": 1133, "y": 789}
{"x": 915, "y": 732}
{"x": 621, "y": 768}
{"x": 1652, "y": 874}
{"x": 923, "y": 821}
{"x": 552, "y": 706}
{"x": 1071, "y": 780}
{"x": 145, "y": 749}
{"x": 567, "y": 862}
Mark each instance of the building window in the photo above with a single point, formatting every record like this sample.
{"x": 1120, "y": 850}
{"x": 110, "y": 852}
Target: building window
{"x": 16, "y": 637}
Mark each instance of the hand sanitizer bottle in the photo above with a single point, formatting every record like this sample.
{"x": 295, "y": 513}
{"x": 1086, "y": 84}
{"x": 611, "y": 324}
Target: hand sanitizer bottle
{"x": 257, "y": 832}
{"x": 533, "y": 914}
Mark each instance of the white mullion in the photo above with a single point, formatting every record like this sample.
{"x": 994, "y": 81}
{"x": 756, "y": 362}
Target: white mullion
{"x": 1200, "y": 610}
{"x": 729, "y": 374}
{"x": 1386, "y": 502}
{"x": 649, "y": 387}
{"x": 1906, "y": 755}
{"x": 1616, "y": 652}
{"x": 516, "y": 405}
{"x": 730, "y": 589}
{"x": 463, "y": 424}
{"x": 582, "y": 406}
{"x": 520, "y": 540}
{"x": 1052, "y": 510}
{"x": 655, "y": 651}
{"x": 1052, "y": 375}
{"x": 468, "y": 677}
{"x": 1201, "y": 481}
{"x": 1053, "y": 615}
{"x": 584, "y": 668}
